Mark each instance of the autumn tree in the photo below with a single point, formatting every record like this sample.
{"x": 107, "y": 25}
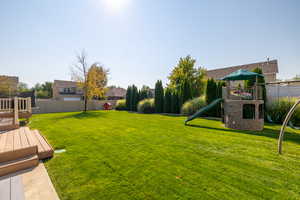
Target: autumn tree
{"x": 96, "y": 81}
{"x": 91, "y": 79}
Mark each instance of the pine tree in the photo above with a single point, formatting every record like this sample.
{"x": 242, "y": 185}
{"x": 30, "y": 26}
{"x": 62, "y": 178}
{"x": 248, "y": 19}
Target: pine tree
{"x": 175, "y": 108}
{"x": 220, "y": 85}
{"x": 159, "y": 97}
{"x": 134, "y": 98}
{"x": 128, "y": 98}
{"x": 211, "y": 95}
{"x": 167, "y": 101}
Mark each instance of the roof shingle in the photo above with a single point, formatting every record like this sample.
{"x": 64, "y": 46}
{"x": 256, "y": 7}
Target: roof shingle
{"x": 268, "y": 67}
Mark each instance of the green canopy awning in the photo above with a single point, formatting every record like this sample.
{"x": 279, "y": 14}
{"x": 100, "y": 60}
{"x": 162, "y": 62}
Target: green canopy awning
{"x": 241, "y": 74}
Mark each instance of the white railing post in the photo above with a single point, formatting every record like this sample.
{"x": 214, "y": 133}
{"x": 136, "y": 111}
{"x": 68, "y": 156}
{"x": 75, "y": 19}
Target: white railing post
{"x": 29, "y": 104}
{"x": 16, "y": 112}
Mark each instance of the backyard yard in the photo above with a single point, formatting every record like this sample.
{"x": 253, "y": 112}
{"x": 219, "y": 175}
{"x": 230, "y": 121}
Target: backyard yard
{"x": 120, "y": 155}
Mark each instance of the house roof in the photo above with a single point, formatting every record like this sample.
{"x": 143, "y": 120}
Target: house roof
{"x": 9, "y": 78}
{"x": 268, "y": 67}
{"x": 65, "y": 82}
{"x": 116, "y": 92}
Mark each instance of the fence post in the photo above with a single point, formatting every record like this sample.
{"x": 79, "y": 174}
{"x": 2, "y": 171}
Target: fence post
{"x": 16, "y": 111}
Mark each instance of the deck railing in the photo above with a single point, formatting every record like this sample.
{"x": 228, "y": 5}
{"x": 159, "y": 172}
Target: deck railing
{"x": 239, "y": 93}
{"x": 15, "y": 104}
{"x": 6, "y": 104}
{"x": 24, "y": 104}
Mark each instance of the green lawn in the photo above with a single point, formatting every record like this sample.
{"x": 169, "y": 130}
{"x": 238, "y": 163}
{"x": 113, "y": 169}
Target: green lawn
{"x": 119, "y": 155}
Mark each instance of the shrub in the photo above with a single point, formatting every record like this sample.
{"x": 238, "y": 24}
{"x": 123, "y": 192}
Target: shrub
{"x": 191, "y": 106}
{"x": 278, "y": 110}
{"x": 146, "y": 106}
{"x": 121, "y": 105}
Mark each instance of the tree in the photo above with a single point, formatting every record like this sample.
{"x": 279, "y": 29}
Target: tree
{"x": 175, "y": 107}
{"x": 90, "y": 81}
{"x": 96, "y": 81}
{"x": 43, "y": 90}
{"x": 145, "y": 93}
{"x": 159, "y": 97}
{"x": 260, "y": 81}
{"x": 47, "y": 87}
{"x": 187, "y": 80}
{"x": 168, "y": 101}
{"x": 211, "y": 94}
{"x": 220, "y": 85}
{"x": 250, "y": 83}
{"x": 23, "y": 87}
{"x": 128, "y": 96}
{"x": 134, "y": 98}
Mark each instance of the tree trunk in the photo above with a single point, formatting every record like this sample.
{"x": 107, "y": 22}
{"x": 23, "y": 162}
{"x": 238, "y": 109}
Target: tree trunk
{"x": 85, "y": 104}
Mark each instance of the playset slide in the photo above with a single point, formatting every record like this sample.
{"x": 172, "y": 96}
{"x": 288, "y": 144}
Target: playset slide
{"x": 203, "y": 110}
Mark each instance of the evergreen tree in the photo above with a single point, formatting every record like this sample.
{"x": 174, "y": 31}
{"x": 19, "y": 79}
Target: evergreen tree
{"x": 143, "y": 93}
{"x": 128, "y": 98}
{"x": 168, "y": 100}
{"x": 159, "y": 97}
{"x": 220, "y": 85}
{"x": 211, "y": 95}
{"x": 134, "y": 98}
{"x": 175, "y": 108}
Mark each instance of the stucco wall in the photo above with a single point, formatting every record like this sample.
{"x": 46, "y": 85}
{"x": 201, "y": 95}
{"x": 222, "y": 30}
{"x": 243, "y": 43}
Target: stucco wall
{"x": 278, "y": 91}
{"x": 53, "y": 106}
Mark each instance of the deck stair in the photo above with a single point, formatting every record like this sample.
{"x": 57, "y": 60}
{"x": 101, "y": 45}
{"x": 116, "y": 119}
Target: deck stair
{"x": 21, "y": 149}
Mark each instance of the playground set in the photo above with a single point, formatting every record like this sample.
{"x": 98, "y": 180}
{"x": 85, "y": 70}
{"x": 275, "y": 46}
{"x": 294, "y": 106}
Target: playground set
{"x": 243, "y": 109}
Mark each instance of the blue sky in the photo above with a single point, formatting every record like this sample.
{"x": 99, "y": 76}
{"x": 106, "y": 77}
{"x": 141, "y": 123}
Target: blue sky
{"x": 140, "y": 41}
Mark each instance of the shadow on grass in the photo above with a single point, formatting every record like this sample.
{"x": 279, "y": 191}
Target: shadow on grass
{"x": 84, "y": 115}
{"x": 267, "y": 132}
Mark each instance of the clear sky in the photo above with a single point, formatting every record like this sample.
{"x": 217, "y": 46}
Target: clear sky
{"x": 140, "y": 41}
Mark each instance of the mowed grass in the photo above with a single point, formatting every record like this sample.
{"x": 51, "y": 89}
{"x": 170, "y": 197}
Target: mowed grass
{"x": 120, "y": 155}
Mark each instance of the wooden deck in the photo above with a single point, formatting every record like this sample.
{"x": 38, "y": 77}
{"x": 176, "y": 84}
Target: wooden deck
{"x": 22, "y": 148}
{"x": 23, "y": 139}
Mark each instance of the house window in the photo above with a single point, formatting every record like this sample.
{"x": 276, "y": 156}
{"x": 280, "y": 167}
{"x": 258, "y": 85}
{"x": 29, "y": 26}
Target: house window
{"x": 68, "y": 90}
{"x": 249, "y": 111}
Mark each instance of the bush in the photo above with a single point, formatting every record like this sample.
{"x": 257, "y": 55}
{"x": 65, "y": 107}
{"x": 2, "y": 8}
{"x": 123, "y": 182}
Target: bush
{"x": 121, "y": 105}
{"x": 192, "y": 106}
{"x": 278, "y": 110}
{"x": 146, "y": 106}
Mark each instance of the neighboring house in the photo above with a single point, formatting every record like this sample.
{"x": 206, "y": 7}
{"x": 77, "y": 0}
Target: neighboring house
{"x": 269, "y": 69}
{"x": 66, "y": 91}
{"x": 115, "y": 93}
{"x": 8, "y": 85}
{"x": 69, "y": 91}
